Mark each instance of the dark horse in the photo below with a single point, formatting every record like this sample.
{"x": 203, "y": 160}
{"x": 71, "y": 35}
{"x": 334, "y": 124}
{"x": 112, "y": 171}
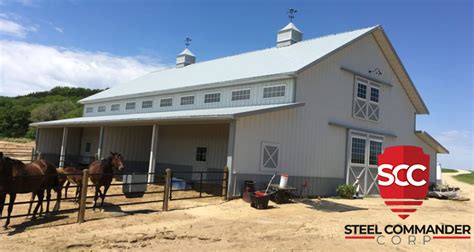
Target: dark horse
{"x": 71, "y": 175}
{"x": 50, "y": 181}
{"x": 17, "y": 177}
{"x": 102, "y": 174}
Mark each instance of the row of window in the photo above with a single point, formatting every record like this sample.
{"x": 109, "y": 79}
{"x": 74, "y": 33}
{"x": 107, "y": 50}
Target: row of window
{"x": 237, "y": 95}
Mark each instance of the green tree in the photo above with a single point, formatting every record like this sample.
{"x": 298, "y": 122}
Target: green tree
{"x": 14, "y": 121}
{"x": 52, "y": 111}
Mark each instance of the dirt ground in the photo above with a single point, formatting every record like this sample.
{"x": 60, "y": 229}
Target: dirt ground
{"x": 211, "y": 224}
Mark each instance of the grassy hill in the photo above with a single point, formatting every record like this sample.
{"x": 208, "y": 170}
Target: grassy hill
{"x": 16, "y": 113}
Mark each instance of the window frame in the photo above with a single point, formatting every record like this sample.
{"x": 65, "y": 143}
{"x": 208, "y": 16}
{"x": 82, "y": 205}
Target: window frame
{"x": 212, "y": 93}
{"x": 242, "y": 89}
{"x": 262, "y": 160}
{"x": 101, "y": 109}
{"x": 274, "y": 86}
{"x": 367, "y": 101}
{"x": 145, "y": 101}
{"x": 367, "y": 137}
{"x": 166, "y": 98}
{"x": 89, "y": 110}
{"x": 200, "y": 154}
{"x": 134, "y": 105}
{"x": 112, "y": 107}
{"x": 185, "y": 96}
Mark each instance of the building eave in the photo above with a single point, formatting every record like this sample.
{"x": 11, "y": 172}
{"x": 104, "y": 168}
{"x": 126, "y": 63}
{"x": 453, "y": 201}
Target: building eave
{"x": 431, "y": 141}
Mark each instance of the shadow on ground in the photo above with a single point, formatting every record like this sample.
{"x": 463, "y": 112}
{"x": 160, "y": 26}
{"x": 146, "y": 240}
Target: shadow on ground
{"x": 329, "y": 206}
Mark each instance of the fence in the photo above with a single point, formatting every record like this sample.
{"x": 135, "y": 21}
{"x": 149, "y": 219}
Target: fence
{"x": 217, "y": 188}
{"x": 23, "y": 154}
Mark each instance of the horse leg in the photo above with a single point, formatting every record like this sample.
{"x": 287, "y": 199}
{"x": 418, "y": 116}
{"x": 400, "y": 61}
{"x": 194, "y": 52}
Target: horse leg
{"x": 10, "y": 208}
{"x": 66, "y": 188}
{"x": 32, "y": 198}
{"x": 2, "y": 202}
{"x": 106, "y": 187}
{"x": 78, "y": 193}
{"x": 48, "y": 199}
{"x": 96, "y": 194}
{"x": 58, "y": 199}
{"x": 40, "y": 195}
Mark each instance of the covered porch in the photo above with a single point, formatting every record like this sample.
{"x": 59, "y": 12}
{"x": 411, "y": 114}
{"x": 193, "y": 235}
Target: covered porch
{"x": 185, "y": 141}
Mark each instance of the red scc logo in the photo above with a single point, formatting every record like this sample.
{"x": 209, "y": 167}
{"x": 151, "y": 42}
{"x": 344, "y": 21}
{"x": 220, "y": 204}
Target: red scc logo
{"x": 403, "y": 178}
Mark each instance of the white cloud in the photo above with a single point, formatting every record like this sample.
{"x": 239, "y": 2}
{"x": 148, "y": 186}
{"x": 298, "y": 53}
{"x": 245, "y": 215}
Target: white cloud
{"x": 14, "y": 29}
{"x": 26, "y": 67}
{"x": 58, "y": 29}
{"x": 460, "y": 146}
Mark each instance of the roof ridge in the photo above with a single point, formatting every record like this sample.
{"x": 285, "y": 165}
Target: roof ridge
{"x": 265, "y": 49}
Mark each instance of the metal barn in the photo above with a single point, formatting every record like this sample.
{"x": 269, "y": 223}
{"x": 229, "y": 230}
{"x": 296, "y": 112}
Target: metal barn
{"x": 319, "y": 109}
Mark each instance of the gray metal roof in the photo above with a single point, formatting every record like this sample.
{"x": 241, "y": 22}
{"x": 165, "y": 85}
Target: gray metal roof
{"x": 183, "y": 115}
{"x": 266, "y": 62}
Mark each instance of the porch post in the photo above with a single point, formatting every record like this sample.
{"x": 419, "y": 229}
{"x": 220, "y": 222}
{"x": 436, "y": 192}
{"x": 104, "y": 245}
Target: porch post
{"x": 37, "y": 135}
{"x": 230, "y": 157}
{"x": 62, "y": 155}
{"x": 152, "y": 163}
{"x": 101, "y": 142}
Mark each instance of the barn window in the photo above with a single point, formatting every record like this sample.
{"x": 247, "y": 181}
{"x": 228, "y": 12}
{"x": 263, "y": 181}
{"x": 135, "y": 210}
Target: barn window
{"x": 89, "y": 109}
{"x": 147, "y": 104}
{"x": 274, "y": 91}
{"x": 187, "y": 100}
{"x": 214, "y": 97}
{"x": 374, "y": 94}
{"x": 361, "y": 90}
{"x": 115, "y": 107}
{"x": 201, "y": 153}
{"x": 270, "y": 156}
{"x": 166, "y": 102}
{"x": 358, "y": 150}
{"x": 238, "y": 95}
{"x": 374, "y": 151}
{"x": 366, "y": 105}
{"x": 88, "y": 148}
{"x": 130, "y": 105}
{"x": 101, "y": 109}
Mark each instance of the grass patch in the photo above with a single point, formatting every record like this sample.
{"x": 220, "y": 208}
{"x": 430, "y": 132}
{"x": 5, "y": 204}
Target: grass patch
{"x": 466, "y": 178}
{"x": 446, "y": 170}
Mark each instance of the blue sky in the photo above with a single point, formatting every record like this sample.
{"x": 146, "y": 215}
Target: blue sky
{"x": 125, "y": 39}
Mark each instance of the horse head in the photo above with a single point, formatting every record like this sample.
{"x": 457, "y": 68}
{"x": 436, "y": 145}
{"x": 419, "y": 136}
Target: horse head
{"x": 117, "y": 160}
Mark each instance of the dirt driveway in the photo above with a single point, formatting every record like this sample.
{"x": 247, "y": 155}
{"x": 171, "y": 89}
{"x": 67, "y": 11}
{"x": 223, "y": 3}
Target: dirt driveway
{"x": 233, "y": 225}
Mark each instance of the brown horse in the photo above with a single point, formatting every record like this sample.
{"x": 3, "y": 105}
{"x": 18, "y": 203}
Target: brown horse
{"x": 50, "y": 181}
{"x": 17, "y": 177}
{"x": 72, "y": 175}
{"x": 102, "y": 174}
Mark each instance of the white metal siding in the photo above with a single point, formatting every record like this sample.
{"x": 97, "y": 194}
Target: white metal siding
{"x": 177, "y": 144}
{"x": 50, "y": 140}
{"x": 308, "y": 145}
{"x": 133, "y": 142}
{"x": 74, "y": 141}
{"x": 256, "y": 98}
{"x": 90, "y": 135}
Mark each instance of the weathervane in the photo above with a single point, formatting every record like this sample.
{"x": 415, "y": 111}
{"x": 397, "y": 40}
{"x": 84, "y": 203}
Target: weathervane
{"x": 376, "y": 71}
{"x": 187, "y": 42}
{"x": 291, "y": 14}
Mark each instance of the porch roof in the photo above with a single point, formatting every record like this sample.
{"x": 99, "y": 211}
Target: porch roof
{"x": 229, "y": 113}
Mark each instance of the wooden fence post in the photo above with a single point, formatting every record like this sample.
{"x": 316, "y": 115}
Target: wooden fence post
{"x": 82, "y": 201}
{"x": 166, "y": 193}
{"x": 225, "y": 183}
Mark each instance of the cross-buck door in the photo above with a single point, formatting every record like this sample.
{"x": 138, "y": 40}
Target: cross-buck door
{"x": 362, "y": 161}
